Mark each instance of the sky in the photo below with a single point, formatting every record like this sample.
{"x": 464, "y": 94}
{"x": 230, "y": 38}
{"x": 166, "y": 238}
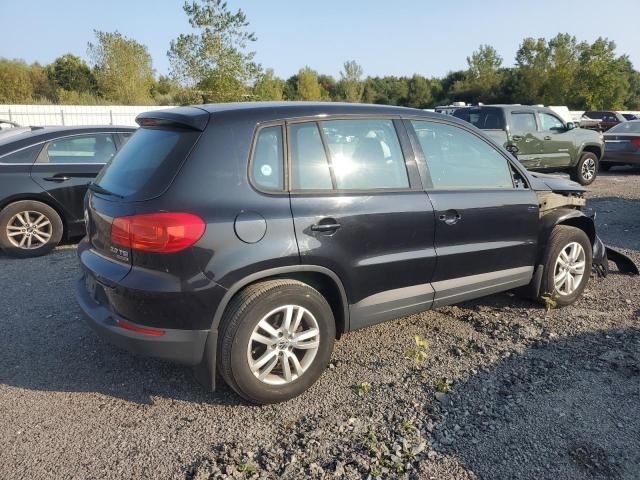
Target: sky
{"x": 392, "y": 37}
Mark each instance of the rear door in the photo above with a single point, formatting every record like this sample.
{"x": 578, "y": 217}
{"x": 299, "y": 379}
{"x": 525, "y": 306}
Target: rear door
{"x": 68, "y": 164}
{"x": 524, "y": 135}
{"x": 558, "y": 141}
{"x": 359, "y": 210}
{"x": 486, "y": 223}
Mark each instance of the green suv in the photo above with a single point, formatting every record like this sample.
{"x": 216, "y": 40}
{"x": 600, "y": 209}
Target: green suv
{"x": 540, "y": 138}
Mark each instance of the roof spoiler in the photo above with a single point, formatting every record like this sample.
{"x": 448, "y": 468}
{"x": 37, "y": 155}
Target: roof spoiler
{"x": 184, "y": 117}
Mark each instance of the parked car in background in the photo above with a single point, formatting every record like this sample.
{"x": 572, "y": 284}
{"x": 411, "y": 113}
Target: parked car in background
{"x": 44, "y": 173}
{"x": 243, "y": 238}
{"x": 540, "y": 138}
{"x": 7, "y": 124}
{"x": 622, "y": 145}
{"x": 630, "y": 116}
{"x": 607, "y": 119}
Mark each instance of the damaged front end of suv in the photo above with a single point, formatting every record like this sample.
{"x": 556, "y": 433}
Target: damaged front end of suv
{"x": 562, "y": 202}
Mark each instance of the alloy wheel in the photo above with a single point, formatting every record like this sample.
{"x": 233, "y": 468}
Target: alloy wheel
{"x": 283, "y": 345}
{"x": 569, "y": 268}
{"x": 29, "y": 230}
{"x": 588, "y": 168}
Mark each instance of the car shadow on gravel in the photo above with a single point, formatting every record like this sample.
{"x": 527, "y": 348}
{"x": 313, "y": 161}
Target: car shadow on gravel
{"x": 567, "y": 408}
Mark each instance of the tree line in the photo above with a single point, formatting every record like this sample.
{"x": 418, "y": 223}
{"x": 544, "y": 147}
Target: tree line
{"x": 215, "y": 63}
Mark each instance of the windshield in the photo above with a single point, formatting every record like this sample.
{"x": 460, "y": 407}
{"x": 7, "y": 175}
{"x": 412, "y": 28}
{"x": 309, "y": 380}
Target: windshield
{"x": 632, "y": 127}
{"x": 147, "y": 163}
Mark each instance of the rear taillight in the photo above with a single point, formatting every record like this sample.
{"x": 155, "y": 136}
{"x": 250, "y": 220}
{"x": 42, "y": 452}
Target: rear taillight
{"x": 636, "y": 141}
{"x": 157, "y": 232}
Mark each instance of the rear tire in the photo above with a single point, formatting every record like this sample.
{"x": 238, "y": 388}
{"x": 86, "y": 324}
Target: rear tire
{"x": 568, "y": 254}
{"x": 262, "y": 359}
{"x": 586, "y": 171}
{"x": 29, "y": 229}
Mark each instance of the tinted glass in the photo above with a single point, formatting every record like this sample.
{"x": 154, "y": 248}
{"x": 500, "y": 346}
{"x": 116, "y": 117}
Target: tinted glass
{"x": 624, "y": 127}
{"x": 27, "y": 155}
{"x": 145, "y": 166}
{"x": 268, "y": 159}
{"x": 365, "y": 154}
{"x": 310, "y": 169}
{"x": 523, "y": 122}
{"x": 594, "y": 115}
{"x": 484, "y": 118}
{"x": 551, "y": 122}
{"x": 459, "y": 159}
{"x": 98, "y": 148}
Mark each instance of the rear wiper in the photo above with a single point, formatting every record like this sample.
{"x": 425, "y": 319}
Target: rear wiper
{"x": 98, "y": 189}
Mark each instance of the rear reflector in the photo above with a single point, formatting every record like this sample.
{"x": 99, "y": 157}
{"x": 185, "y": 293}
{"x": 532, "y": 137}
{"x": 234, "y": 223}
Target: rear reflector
{"x": 157, "y": 232}
{"x": 134, "y": 328}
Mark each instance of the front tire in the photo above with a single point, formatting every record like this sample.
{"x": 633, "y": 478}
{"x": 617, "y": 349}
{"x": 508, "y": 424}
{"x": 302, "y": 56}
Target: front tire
{"x": 276, "y": 339}
{"x": 567, "y": 265}
{"x": 29, "y": 229}
{"x": 586, "y": 170}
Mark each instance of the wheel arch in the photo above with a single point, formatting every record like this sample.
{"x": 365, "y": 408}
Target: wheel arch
{"x": 564, "y": 216}
{"x": 597, "y": 150}
{"x": 322, "y": 279}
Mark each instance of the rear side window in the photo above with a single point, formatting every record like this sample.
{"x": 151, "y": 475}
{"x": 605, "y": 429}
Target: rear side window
{"x": 483, "y": 118}
{"x": 347, "y": 155}
{"x": 523, "y": 122}
{"x": 457, "y": 159}
{"x": 99, "y": 148}
{"x": 268, "y": 159}
{"x": 26, "y": 155}
{"x": 147, "y": 163}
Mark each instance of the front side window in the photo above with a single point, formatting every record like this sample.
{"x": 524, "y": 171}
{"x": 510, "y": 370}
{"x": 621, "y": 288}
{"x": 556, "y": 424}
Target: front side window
{"x": 98, "y": 148}
{"x": 551, "y": 122}
{"x": 268, "y": 159}
{"x": 457, "y": 159}
{"x": 523, "y": 122}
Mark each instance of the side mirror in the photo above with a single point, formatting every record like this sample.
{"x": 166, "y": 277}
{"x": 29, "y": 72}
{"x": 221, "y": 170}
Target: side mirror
{"x": 571, "y": 126}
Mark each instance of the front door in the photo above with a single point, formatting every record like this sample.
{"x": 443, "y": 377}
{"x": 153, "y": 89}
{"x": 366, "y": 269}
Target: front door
{"x": 486, "y": 224}
{"x": 558, "y": 141}
{"x": 67, "y": 165}
{"x": 359, "y": 210}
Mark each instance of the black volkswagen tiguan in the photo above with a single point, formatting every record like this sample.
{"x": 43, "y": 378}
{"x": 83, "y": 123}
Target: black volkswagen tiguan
{"x": 244, "y": 238}
{"x": 44, "y": 173}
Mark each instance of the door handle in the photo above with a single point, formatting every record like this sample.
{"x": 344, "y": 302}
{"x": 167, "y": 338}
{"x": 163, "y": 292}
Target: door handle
{"x": 325, "y": 227}
{"x": 547, "y": 137}
{"x": 450, "y": 217}
{"x": 56, "y": 179}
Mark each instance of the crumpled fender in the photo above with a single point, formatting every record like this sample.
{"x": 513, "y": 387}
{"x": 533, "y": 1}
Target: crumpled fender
{"x": 624, "y": 263}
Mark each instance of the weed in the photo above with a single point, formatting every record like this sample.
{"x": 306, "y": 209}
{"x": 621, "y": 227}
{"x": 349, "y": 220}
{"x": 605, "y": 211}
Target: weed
{"x": 419, "y": 352}
{"x": 442, "y": 385}
{"x": 363, "y": 388}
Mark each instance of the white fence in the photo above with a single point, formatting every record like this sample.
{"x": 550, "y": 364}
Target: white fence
{"x": 54, "y": 115}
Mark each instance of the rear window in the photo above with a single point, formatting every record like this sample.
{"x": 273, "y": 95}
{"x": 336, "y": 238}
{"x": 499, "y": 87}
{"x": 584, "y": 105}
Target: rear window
{"x": 626, "y": 127}
{"x": 483, "y": 118}
{"x": 147, "y": 163}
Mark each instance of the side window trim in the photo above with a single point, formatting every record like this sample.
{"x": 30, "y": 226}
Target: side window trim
{"x": 285, "y": 154}
{"x": 424, "y": 168}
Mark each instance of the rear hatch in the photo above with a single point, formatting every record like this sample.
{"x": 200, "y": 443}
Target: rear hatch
{"x": 141, "y": 171}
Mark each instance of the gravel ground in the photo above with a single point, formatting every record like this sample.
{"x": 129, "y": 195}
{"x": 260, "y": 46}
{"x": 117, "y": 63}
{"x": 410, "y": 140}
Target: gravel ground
{"x": 504, "y": 389}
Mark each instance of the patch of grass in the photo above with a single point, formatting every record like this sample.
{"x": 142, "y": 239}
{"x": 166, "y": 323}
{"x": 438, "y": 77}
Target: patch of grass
{"x": 363, "y": 388}
{"x": 550, "y": 301}
{"x": 246, "y": 468}
{"x": 420, "y": 351}
{"x": 442, "y": 385}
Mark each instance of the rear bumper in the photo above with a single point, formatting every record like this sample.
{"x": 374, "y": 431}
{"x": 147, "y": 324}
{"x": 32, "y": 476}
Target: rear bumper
{"x": 621, "y": 157}
{"x": 180, "y": 346}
